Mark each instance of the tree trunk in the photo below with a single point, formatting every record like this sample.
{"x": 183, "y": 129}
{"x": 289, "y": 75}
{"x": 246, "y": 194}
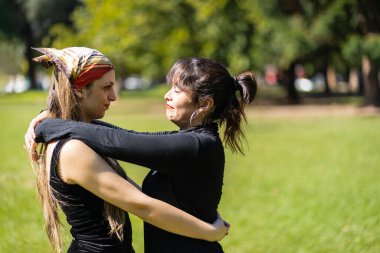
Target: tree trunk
{"x": 371, "y": 82}
{"x": 331, "y": 79}
{"x": 353, "y": 81}
{"x": 289, "y": 81}
{"x": 327, "y": 89}
{"x": 29, "y": 42}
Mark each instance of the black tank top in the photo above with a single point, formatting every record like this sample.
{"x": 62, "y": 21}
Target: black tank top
{"x": 85, "y": 214}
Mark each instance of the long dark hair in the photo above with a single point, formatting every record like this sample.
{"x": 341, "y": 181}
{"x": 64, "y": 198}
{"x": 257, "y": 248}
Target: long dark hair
{"x": 204, "y": 78}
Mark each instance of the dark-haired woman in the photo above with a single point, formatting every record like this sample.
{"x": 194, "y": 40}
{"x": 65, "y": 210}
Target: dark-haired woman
{"x": 187, "y": 165}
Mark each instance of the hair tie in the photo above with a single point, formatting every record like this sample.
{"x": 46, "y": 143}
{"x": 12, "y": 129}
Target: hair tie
{"x": 235, "y": 82}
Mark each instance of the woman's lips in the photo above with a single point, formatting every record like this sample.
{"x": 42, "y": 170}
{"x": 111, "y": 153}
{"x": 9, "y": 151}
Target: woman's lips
{"x": 169, "y": 107}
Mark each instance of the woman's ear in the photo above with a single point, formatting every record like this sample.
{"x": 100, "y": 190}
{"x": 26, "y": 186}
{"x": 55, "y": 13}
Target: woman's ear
{"x": 206, "y": 104}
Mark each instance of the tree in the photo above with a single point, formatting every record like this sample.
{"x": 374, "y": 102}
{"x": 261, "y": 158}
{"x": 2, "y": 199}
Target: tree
{"x": 147, "y": 36}
{"x": 362, "y": 47}
{"x": 29, "y": 22}
{"x": 301, "y": 32}
{"x": 339, "y": 33}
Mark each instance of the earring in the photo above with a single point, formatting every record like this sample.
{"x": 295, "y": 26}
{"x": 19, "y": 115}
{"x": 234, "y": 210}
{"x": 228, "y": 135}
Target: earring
{"x": 194, "y": 114}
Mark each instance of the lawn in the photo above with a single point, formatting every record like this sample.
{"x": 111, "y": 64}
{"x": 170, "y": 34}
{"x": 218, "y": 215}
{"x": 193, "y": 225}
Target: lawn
{"x": 306, "y": 184}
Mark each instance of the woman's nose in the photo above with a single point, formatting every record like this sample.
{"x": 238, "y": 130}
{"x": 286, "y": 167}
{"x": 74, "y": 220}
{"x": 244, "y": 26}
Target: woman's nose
{"x": 112, "y": 95}
{"x": 167, "y": 95}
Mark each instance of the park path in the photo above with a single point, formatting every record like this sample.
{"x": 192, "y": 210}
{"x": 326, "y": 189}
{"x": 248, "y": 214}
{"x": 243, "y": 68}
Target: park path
{"x": 305, "y": 111}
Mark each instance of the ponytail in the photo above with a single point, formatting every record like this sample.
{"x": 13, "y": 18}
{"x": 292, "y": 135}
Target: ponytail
{"x": 233, "y": 115}
{"x": 247, "y": 86}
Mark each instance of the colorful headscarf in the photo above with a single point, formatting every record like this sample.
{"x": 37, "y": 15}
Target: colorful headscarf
{"x": 81, "y": 65}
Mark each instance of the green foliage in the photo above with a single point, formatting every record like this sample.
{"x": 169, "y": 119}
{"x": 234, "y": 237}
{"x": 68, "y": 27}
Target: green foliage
{"x": 353, "y": 50}
{"x": 356, "y": 47}
{"x": 12, "y": 18}
{"x": 372, "y": 47}
{"x": 308, "y": 184}
{"x": 148, "y": 36}
{"x": 12, "y": 61}
{"x": 18, "y": 16}
{"x": 123, "y": 30}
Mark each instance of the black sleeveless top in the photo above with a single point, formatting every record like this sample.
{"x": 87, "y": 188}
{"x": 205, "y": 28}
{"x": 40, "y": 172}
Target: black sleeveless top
{"x": 85, "y": 214}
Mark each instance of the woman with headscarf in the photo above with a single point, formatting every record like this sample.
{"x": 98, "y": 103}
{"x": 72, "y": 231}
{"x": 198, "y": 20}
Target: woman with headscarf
{"x": 92, "y": 190}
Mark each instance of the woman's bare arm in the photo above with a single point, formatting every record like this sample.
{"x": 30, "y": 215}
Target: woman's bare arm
{"x": 96, "y": 176}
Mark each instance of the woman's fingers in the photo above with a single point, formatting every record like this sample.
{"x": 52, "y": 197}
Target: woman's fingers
{"x": 226, "y": 224}
{"x": 30, "y": 143}
{"x": 30, "y": 135}
{"x": 223, "y": 226}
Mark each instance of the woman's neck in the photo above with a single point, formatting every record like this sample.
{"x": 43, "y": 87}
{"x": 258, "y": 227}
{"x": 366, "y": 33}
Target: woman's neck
{"x": 86, "y": 119}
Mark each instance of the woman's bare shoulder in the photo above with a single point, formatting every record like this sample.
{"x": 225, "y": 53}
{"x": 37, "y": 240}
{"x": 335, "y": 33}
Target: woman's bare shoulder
{"x": 75, "y": 158}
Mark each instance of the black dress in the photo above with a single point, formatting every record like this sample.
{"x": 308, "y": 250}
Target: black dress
{"x": 85, "y": 214}
{"x": 187, "y": 169}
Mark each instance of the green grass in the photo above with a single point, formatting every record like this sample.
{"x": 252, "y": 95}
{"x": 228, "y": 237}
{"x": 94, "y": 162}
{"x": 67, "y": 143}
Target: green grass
{"x": 308, "y": 184}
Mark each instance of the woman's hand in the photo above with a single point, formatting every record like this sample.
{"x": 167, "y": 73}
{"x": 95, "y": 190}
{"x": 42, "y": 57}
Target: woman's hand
{"x": 30, "y": 135}
{"x": 221, "y": 229}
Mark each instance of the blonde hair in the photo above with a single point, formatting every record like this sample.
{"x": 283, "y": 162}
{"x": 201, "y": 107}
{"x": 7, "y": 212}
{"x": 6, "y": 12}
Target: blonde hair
{"x": 63, "y": 103}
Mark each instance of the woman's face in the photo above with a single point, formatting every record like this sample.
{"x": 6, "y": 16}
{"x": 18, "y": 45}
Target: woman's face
{"x": 97, "y": 98}
{"x": 179, "y": 107}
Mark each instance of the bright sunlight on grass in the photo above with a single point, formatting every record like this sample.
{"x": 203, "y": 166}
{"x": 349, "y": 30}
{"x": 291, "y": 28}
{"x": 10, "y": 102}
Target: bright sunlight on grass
{"x": 306, "y": 184}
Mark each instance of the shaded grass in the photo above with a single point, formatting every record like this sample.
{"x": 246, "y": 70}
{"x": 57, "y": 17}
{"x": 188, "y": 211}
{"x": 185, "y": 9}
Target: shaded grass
{"x": 305, "y": 185}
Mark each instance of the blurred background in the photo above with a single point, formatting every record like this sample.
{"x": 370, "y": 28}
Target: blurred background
{"x": 310, "y": 179}
{"x": 328, "y": 48}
